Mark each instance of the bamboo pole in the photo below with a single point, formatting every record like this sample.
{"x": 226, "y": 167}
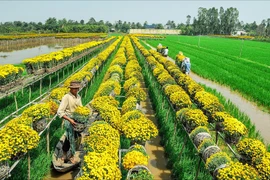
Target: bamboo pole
{"x": 15, "y": 100}
{"x": 29, "y": 166}
{"x": 30, "y": 93}
{"x": 40, "y": 87}
{"x": 48, "y": 140}
{"x": 50, "y": 81}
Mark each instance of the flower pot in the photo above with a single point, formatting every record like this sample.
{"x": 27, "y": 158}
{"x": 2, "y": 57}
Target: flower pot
{"x": 215, "y": 173}
{"x": 136, "y": 169}
{"x": 219, "y": 126}
{"x": 245, "y": 160}
{"x": 198, "y": 139}
{"x": 79, "y": 127}
{"x": 4, "y": 169}
{"x": 40, "y": 125}
{"x": 210, "y": 151}
{"x": 39, "y": 71}
{"x": 232, "y": 139}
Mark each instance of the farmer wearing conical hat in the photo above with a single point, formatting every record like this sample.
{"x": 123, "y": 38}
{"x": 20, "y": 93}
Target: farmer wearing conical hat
{"x": 68, "y": 104}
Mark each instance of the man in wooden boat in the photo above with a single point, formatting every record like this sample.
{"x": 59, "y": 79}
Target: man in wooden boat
{"x": 69, "y": 103}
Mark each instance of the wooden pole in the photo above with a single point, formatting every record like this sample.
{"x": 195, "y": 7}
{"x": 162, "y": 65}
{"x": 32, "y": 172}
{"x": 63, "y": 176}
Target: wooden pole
{"x": 29, "y": 166}
{"x": 72, "y": 67}
{"x": 15, "y": 100}
{"x": 40, "y": 87}
{"x": 58, "y": 79}
{"x": 30, "y": 93}
{"x": 50, "y": 82}
{"x": 198, "y": 169}
{"x": 48, "y": 140}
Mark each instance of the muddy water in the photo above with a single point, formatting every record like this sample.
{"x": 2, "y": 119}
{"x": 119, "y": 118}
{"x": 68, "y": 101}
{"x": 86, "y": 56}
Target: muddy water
{"x": 62, "y": 176}
{"x": 258, "y": 117}
{"x": 157, "y": 161}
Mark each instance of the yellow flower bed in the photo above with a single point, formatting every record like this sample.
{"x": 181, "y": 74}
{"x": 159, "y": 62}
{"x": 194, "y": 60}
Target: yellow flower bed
{"x": 141, "y": 129}
{"x": 237, "y": 170}
{"x": 37, "y": 111}
{"x": 251, "y": 149}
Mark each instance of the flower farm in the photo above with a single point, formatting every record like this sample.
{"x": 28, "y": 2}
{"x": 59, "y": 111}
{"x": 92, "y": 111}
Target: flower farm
{"x": 199, "y": 137}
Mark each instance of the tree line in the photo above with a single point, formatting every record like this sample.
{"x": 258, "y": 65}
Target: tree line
{"x": 208, "y": 21}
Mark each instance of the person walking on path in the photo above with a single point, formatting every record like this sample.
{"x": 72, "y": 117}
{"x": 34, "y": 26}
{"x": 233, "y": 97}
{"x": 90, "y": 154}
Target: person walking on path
{"x": 166, "y": 51}
{"x": 68, "y": 104}
{"x": 187, "y": 65}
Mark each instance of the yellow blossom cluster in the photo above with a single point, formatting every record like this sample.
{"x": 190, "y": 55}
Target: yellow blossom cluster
{"x": 104, "y": 100}
{"x": 180, "y": 99}
{"x": 9, "y": 73}
{"x": 53, "y": 107}
{"x": 220, "y": 116}
{"x": 107, "y": 87}
{"x": 191, "y": 118}
{"x": 134, "y": 158}
{"x": 233, "y": 127}
{"x": 16, "y": 139}
{"x": 129, "y": 104}
{"x": 165, "y": 79}
{"x": 208, "y": 102}
{"x": 130, "y": 115}
{"x": 170, "y": 89}
{"x": 251, "y": 149}
{"x": 136, "y": 92}
{"x": 58, "y": 93}
{"x": 100, "y": 166}
{"x": 236, "y": 170}
{"x": 193, "y": 87}
{"x": 37, "y": 111}
{"x": 197, "y": 130}
{"x": 115, "y": 69}
{"x": 81, "y": 114}
{"x": 141, "y": 129}
{"x": 131, "y": 82}
{"x": 216, "y": 160}
{"x": 263, "y": 167}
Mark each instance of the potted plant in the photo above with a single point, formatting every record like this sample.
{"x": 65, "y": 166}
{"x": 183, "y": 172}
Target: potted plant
{"x": 220, "y": 159}
{"x": 233, "y": 130}
{"x": 81, "y": 116}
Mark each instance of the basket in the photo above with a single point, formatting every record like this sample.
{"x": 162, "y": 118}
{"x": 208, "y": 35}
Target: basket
{"x": 79, "y": 127}
{"x": 209, "y": 151}
{"x": 136, "y": 169}
{"x": 198, "y": 139}
{"x": 40, "y": 125}
{"x": 4, "y": 169}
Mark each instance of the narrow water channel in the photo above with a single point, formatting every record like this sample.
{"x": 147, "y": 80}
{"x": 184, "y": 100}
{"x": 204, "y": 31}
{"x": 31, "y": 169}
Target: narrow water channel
{"x": 260, "y": 118}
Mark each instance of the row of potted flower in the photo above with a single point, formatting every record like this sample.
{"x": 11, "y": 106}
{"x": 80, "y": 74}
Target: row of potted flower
{"x": 55, "y": 60}
{"x": 230, "y": 126}
{"x": 36, "y": 116}
{"x": 185, "y": 112}
{"x": 104, "y": 138}
{"x": 10, "y": 76}
{"x": 57, "y": 35}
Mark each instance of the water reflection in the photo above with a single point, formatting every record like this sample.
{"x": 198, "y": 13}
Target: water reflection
{"x": 16, "y": 57}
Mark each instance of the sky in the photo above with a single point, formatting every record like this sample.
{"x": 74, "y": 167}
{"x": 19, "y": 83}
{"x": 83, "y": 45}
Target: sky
{"x": 130, "y": 11}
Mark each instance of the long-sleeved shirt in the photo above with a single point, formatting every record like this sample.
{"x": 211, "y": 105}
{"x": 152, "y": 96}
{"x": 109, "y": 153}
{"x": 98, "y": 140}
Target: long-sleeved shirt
{"x": 68, "y": 105}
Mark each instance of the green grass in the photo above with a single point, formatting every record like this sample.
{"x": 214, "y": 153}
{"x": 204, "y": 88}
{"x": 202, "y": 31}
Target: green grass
{"x": 246, "y": 76}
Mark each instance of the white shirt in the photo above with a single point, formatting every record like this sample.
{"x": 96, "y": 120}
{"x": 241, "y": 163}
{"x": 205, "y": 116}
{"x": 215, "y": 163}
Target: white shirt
{"x": 166, "y": 51}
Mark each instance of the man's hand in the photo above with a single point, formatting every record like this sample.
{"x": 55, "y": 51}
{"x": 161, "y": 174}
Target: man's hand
{"x": 72, "y": 122}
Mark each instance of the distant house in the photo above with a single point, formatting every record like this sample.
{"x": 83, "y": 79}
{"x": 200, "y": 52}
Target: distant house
{"x": 167, "y": 26}
{"x": 239, "y": 33}
{"x": 112, "y": 30}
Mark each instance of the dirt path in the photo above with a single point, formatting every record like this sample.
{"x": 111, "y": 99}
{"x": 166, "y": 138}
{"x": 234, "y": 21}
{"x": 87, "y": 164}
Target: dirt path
{"x": 157, "y": 161}
{"x": 260, "y": 118}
